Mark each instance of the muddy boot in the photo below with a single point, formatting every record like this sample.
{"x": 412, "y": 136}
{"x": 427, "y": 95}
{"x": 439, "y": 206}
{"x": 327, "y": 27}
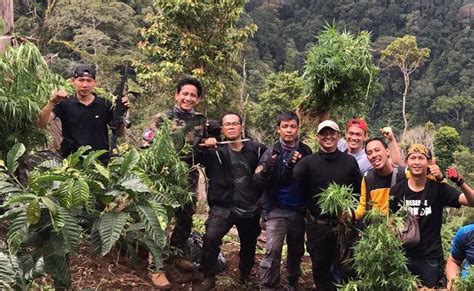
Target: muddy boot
{"x": 206, "y": 285}
{"x": 160, "y": 281}
{"x": 185, "y": 265}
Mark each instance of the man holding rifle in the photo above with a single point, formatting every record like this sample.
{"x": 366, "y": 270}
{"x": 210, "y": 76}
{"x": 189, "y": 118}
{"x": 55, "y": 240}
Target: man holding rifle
{"x": 84, "y": 116}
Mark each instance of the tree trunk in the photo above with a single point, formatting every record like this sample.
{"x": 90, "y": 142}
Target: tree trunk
{"x": 6, "y": 14}
{"x": 244, "y": 97}
{"x": 406, "y": 79}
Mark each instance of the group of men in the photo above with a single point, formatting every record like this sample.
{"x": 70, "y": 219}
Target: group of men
{"x": 250, "y": 183}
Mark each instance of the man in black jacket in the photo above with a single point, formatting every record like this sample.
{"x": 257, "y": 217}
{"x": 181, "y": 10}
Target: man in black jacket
{"x": 315, "y": 172}
{"x": 232, "y": 196}
{"x": 283, "y": 206}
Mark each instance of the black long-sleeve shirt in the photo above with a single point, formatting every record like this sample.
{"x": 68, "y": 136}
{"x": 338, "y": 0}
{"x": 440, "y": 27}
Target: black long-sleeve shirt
{"x": 315, "y": 172}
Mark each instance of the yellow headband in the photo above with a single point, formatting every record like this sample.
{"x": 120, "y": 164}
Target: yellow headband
{"x": 419, "y": 149}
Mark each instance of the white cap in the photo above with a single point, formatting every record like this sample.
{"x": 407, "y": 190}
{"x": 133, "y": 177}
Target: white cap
{"x": 328, "y": 123}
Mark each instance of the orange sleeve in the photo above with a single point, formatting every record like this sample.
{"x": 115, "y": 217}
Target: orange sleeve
{"x": 360, "y": 210}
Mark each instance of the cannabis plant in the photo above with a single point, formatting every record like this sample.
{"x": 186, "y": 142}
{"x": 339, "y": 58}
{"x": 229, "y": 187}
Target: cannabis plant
{"x": 339, "y": 72}
{"x": 168, "y": 173}
{"x": 379, "y": 259}
{"x": 336, "y": 199}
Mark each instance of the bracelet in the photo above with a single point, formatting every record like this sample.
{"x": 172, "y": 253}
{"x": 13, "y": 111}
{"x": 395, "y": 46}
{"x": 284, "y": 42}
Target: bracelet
{"x": 460, "y": 182}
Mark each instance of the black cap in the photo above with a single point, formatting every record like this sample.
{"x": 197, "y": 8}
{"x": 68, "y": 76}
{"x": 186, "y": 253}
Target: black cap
{"x": 84, "y": 71}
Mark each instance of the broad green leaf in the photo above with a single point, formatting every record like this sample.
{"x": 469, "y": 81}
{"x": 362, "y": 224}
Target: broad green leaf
{"x": 17, "y": 232}
{"x": 95, "y": 185}
{"x": 71, "y": 231}
{"x": 50, "y": 164}
{"x": 95, "y": 239}
{"x": 75, "y": 158}
{"x": 10, "y": 190}
{"x": 66, "y": 192}
{"x": 129, "y": 162}
{"x": 33, "y": 264}
{"x": 152, "y": 225}
{"x": 135, "y": 184}
{"x": 155, "y": 251}
{"x": 7, "y": 271}
{"x": 49, "y": 204}
{"x": 12, "y": 157}
{"x": 80, "y": 192}
{"x": 111, "y": 225}
{"x": 20, "y": 197}
{"x": 58, "y": 267}
{"x": 161, "y": 213}
{"x": 49, "y": 178}
{"x": 92, "y": 157}
{"x": 33, "y": 212}
{"x": 57, "y": 219}
{"x": 102, "y": 170}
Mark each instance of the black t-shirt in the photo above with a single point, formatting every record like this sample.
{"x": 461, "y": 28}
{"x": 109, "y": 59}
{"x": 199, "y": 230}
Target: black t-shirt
{"x": 84, "y": 124}
{"x": 244, "y": 189}
{"x": 429, "y": 211}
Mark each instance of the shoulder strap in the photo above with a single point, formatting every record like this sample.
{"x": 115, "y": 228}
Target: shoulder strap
{"x": 394, "y": 177}
{"x": 402, "y": 175}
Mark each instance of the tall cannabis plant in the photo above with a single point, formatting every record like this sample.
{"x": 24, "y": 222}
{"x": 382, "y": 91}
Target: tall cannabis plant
{"x": 168, "y": 173}
{"x": 25, "y": 84}
{"x": 339, "y": 72}
{"x": 379, "y": 259}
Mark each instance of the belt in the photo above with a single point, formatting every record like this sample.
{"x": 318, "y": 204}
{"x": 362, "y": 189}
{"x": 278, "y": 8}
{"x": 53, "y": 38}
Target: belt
{"x": 322, "y": 221}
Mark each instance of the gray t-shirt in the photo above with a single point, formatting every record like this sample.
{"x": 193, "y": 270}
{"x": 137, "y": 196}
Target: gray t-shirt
{"x": 361, "y": 157}
{"x": 244, "y": 190}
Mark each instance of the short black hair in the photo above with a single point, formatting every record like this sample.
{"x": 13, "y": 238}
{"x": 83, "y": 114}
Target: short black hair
{"x": 189, "y": 81}
{"x": 287, "y": 116}
{"x": 231, "y": 113}
{"x": 380, "y": 139}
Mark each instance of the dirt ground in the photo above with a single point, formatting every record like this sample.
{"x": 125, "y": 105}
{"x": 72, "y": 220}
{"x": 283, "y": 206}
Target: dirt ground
{"x": 111, "y": 272}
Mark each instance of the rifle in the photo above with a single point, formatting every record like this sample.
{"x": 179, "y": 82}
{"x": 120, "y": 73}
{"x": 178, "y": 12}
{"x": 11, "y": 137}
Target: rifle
{"x": 119, "y": 110}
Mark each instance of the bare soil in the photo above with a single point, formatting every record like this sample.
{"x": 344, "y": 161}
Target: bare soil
{"x": 114, "y": 272}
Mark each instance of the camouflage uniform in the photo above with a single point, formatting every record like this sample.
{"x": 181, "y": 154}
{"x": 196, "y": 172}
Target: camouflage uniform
{"x": 189, "y": 128}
